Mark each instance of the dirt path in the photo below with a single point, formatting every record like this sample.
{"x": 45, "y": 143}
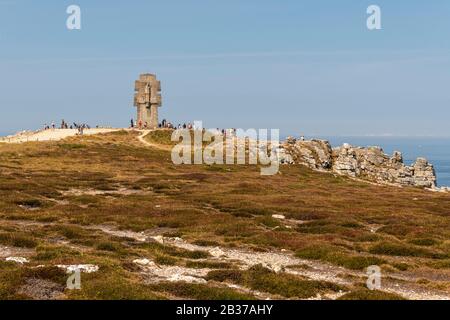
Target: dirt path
{"x": 277, "y": 260}
{"x": 52, "y": 135}
{"x": 280, "y": 261}
{"x": 142, "y": 139}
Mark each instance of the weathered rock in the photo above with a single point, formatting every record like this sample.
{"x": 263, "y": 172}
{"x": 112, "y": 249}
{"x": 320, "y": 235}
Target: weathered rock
{"x": 367, "y": 163}
{"x": 345, "y": 162}
{"x": 284, "y": 157}
{"x": 373, "y": 164}
{"x": 142, "y": 262}
{"x": 441, "y": 189}
{"x": 397, "y": 158}
{"x": 315, "y": 154}
{"x": 424, "y": 174}
{"x": 216, "y": 252}
{"x": 291, "y": 140}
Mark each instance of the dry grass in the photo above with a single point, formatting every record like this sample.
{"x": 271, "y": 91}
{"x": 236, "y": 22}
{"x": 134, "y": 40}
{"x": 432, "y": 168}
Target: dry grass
{"x": 262, "y": 279}
{"x": 340, "y": 221}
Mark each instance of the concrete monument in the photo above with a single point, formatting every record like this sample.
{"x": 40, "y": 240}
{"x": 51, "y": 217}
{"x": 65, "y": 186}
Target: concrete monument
{"x": 147, "y": 100}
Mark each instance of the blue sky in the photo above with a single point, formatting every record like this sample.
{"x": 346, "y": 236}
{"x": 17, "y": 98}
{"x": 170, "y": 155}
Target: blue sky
{"x": 306, "y": 67}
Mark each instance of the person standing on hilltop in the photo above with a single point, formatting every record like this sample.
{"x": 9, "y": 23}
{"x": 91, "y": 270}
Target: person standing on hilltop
{"x": 132, "y": 123}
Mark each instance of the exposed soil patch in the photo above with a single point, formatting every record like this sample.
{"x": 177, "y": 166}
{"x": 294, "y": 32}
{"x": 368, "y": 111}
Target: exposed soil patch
{"x": 148, "y": 235}
{"x": 30, "y": 205}
{"x": 40, "y": 289}
{"x": 94, "y": 192}
{"x": 156, "y": 273}
{"x": 285, "y": 262}
{"x": 6, "y": 252}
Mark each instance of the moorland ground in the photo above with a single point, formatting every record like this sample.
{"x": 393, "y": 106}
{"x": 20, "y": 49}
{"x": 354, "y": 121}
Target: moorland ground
{"x": 161, "y": 231}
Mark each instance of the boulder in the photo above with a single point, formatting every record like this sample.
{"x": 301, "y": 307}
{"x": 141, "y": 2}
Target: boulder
{"x": 315, "y": 154}
{"x": 424, "y": 174}
{"x": 397, "y": 158}
{"x": 345, "y": 161}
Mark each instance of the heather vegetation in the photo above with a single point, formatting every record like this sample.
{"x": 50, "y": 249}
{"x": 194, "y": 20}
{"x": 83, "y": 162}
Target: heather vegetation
{"x": 58, "y": 198}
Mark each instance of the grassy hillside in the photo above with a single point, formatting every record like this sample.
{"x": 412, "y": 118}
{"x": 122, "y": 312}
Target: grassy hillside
{"x": 83, "y": 200}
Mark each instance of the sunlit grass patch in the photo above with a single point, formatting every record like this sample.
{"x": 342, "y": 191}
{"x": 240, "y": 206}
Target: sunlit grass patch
{"x": 159, "y": 249}
{"x": 165, "y": 260}
{"x": 200, "y": 291}
{"x": 338, "y": 257}
{"x": 206, "y": 243}
{"x": 262, "y": 279}
{"x": 400, "y": 249}
{"x": 113, "y": 285}
{"x": 364, "y": 294}
{"x": 17, "y": 239}
{"x": 55, "y": 253}
{"x": 424, "y": 242}
{"x": 109, "y": 246}
{"x": 71, "y": 146}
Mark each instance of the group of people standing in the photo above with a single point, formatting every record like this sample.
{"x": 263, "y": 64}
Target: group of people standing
{"x": 144, "y": 125}
{"x": 168, "y": 125}
{"x": 65, "y": 125}
{"x": 47, "y": 127}
{"x": 139, "y": 124}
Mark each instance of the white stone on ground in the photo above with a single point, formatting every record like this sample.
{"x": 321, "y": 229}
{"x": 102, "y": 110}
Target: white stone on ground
{"x": 142, "y": 262}
{"x": 171, "y": 273}
{"x": 17, "y": 260}
{"x": 216, "y": 252}
{"x": 86, "y": 268}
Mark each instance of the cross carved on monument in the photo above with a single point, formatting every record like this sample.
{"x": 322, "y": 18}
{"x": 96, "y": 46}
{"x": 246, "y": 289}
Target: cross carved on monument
{"x": 147, "y": 100}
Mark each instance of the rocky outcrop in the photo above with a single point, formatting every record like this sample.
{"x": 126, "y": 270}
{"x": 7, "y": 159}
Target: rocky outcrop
{"x": 345, "y": 161}
{"x": 424, "y": 174}
{"x": 372, "y": 163}
{"x": 367, "y": 163}
{"x": 316, "y": 154}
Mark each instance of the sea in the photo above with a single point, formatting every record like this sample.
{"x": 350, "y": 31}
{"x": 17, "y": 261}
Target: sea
{"x": 435, "y": 150}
